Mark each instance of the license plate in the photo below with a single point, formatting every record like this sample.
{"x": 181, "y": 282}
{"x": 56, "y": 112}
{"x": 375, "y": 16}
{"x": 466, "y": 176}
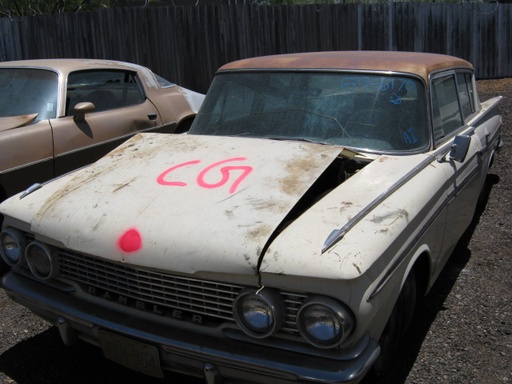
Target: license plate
{"x": 131, "y": 354}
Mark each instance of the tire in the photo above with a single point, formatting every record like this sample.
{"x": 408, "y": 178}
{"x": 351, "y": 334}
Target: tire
{"x": 398, "y": 323}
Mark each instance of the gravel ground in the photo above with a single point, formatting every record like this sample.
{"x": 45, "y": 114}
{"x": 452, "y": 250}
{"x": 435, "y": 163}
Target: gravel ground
{"x": 461, "y": 333}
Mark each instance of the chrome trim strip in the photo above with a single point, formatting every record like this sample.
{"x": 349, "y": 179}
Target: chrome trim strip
{"x": 23, "y": 167}
{"x": 29, "y": 190}
{"x": 338, "y": 234}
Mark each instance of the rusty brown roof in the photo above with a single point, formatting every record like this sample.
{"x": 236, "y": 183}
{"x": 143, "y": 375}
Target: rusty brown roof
{"x": 421, "y": 64}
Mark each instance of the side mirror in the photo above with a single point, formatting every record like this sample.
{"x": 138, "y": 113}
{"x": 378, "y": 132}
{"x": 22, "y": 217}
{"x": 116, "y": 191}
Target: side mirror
{"x": 460, "y": 148}
{"x": 81, "y": 109}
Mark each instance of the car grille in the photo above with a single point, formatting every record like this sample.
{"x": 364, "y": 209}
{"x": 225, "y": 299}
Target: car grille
{"x": 213, "y": 299}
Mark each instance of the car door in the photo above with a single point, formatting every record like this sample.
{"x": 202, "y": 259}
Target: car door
{"x": 121, "y": 109}
{"x": 454, "y": 107}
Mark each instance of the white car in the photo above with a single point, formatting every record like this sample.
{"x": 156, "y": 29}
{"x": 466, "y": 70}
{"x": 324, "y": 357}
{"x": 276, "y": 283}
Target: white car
{"x": 285, "y": 238}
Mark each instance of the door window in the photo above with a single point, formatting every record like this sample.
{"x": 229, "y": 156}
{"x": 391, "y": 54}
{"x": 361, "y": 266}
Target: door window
{"x": 106, "y": 89}
{"x": 447, "y": 116}
{"x": 466, "y": 96}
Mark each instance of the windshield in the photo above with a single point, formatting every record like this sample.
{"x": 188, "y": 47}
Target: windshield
{"x": 382, "y": 113}
{"x": 26, "y": 91}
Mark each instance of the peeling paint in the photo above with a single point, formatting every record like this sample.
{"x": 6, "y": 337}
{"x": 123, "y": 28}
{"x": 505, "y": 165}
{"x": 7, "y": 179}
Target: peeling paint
{"x": 296, "y": 170}
{"x": 398, "y": 214}
{"x": 345, "y": 205}
{"x": 121, "y": 186}
{"x": 261, "y": 231}
{"x": 229, "y": 214}
{"x": 100, "y": 222}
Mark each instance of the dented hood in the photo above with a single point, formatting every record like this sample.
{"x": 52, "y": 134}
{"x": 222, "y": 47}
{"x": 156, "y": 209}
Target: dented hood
{"x": 190, "y": 204}
{"x": 10, "y": 122}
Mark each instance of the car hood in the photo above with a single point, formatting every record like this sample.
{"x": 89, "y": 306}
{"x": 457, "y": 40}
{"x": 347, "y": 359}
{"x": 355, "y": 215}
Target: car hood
{"x": 10, "y": 122}
{"x": 190, "y": 204}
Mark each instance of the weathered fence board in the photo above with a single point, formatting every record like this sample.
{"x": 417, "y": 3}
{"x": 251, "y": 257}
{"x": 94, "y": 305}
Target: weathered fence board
{"x": 187, "y": 44}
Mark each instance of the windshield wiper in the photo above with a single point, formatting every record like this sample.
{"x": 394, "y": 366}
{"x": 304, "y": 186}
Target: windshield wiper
{"x": 302, "y": 139}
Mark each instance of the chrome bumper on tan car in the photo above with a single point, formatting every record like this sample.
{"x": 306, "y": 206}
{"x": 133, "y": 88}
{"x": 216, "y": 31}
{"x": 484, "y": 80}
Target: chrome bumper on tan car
{"x": 161, "y": 347}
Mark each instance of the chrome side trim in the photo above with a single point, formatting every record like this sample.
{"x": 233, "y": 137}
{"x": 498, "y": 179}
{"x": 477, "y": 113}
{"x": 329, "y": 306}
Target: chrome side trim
{"x": 337, "y": 234}
{"x": 29, "y": 190}
{"x": 23, "y": 167}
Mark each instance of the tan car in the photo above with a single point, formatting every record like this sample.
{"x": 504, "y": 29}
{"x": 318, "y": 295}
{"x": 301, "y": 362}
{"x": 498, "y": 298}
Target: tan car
{"x": 57, "y": 115}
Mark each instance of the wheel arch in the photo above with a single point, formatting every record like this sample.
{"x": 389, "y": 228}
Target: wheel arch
{"x": 3, "y": 193}
{"x": 414, "y": 285}
{"x": 421, "y": 266}
{"x": 185, "y": 124}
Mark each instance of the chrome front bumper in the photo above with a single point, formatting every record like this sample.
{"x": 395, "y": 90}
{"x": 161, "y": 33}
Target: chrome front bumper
{"x": 215, "y": 360}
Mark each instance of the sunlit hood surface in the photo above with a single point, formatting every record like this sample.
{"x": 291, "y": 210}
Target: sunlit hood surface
{"x": 180, "y": 202}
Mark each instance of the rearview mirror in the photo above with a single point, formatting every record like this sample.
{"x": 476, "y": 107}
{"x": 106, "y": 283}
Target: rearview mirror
{"x": 460, "y": 148}
{"x": 82, "y": 108}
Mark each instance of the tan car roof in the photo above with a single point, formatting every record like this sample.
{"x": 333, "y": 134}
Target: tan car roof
{"x": 70, "y": 65}
{"x": 421, "y": 64}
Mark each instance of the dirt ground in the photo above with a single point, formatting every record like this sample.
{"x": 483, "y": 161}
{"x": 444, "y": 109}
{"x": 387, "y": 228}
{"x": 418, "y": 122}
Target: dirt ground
{"x": 461, "y": 333}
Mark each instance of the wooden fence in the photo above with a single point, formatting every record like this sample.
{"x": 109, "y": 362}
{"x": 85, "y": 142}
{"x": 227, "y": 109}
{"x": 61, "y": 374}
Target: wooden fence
{"x": 186, "y": 44}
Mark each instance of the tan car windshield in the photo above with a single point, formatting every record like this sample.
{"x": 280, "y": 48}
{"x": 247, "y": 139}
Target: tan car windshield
{"x": 26, "y": 91}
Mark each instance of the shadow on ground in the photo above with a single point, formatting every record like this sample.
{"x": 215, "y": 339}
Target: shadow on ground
{"x": 45, "y": 359}
{"x": 433, "y": 303}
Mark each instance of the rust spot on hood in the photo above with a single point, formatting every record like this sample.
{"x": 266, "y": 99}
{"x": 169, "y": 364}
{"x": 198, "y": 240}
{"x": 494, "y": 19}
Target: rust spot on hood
{"x": 260, "y": 231}
{"x": 296, "y": 171}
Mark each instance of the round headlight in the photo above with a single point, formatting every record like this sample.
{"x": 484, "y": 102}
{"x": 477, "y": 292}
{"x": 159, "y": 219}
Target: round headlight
{"x": 12, "y": 246}
{"x": 42, "y": 260}
{"x": 259, "y": 313}
{"x": 324, "y": 322}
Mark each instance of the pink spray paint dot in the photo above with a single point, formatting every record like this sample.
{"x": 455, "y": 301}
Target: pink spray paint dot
{"x": 130, "y": 241}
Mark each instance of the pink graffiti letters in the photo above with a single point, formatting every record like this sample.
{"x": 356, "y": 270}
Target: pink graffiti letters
{"x": 226, "y": 172}
{"x": 161, "y": 179}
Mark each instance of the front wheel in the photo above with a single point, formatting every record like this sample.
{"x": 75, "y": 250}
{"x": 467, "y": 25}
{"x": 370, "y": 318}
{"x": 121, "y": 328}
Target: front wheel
{"x": 398, "y": 323}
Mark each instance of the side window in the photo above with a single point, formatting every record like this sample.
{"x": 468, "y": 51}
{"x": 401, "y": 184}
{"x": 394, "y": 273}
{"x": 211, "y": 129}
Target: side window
{"x": 106, "y": 89}
{"x": 447, "y": 117}
{"x": 164, "y": 83}
{"x": 466, "y": 96}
